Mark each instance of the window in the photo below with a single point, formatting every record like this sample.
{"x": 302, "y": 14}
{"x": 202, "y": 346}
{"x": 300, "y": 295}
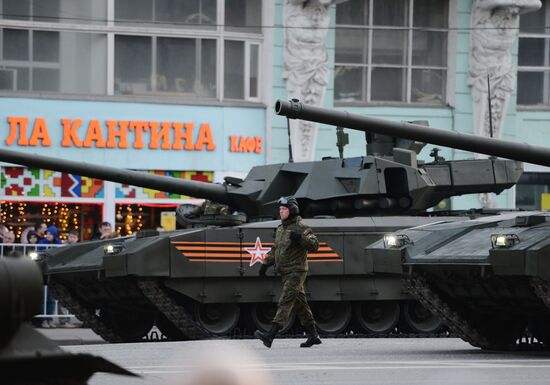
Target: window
{"x": 240, "y": 59}
{"x": 187, "y": 66}
{"x": 50, "y": 61}
{"x": 530, "y": 188}
{"x": 167, "y": 13}
{"x": 165, "y": 65}
{"x": 391, "y": 51}
{"x": 534, "y": 58}
{"x": 243, "y": 15}
{"x": 56, "y": 11}
{"x": 161, "y": 47}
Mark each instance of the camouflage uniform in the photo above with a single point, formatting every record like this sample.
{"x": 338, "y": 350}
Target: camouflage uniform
{"x": 290, "y": 260}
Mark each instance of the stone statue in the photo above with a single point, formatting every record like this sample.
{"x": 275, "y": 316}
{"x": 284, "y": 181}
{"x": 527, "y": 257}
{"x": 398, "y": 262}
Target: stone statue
{"x": 494, "y": 31}
{"x": 305, "y": 67}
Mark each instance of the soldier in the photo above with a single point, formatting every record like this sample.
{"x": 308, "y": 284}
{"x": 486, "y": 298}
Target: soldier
{"x": 293, "y": 240}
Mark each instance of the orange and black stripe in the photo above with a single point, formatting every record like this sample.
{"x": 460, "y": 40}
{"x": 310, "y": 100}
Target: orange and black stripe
{"x": 231, "y": 252}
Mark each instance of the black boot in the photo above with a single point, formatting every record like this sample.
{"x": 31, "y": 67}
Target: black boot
{"x": 268, "y": 337}
{"x": 312, "y": 337}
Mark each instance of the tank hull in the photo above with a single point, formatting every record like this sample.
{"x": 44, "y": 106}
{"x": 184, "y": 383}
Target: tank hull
{"x": 194, "y": 271}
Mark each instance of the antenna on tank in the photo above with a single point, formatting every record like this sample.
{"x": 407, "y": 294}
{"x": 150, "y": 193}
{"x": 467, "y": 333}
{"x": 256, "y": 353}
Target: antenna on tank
{"x": 489, "y": 102}
{"x": 342, "y": 139}
{"x": 290, "y": 159}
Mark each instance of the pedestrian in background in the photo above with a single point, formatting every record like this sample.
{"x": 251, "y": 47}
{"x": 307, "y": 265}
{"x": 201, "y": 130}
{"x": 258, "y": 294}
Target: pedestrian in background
{"x": 23, "y": 238}
{"x": 293, "y": 240}
{"x": 32, "y": 237}
{"x": 8, "y": 237}
{"x": 105, "y": 232}
{"x": 50, "y": 238}
{"x": 40, "y": 228}
{"x": 3, "y": 230}
{"x": 73, "y": 237}
{"x": 65, "y": 322}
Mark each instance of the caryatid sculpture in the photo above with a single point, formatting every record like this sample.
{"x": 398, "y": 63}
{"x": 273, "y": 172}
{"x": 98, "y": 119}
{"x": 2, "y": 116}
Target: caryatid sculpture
{"x": 494, "y": 26}
{"x": 305, "y": 67}
{"x": 494, "y": 31}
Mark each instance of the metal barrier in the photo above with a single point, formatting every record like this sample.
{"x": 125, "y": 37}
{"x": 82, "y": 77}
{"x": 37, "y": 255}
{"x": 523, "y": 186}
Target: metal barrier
{"x": 50, "y": 317}
{"x": 23, "y": 249}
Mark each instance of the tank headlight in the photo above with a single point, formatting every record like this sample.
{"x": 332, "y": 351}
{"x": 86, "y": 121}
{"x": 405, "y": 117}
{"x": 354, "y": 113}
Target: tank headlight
{"x": 113, "y": 248}
{"x": 34, "y": 255}
{"x": 503, "y": 241}
{"x": 395, "y": 241}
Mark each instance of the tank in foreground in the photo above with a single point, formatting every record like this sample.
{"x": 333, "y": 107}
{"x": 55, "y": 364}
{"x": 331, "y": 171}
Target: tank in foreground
{"x": 26, "y": 356}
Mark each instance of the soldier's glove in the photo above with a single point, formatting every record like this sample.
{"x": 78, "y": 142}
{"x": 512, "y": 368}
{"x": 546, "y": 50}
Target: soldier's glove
{"x": 295, "y": 236}
{"x": 263, "y": 270}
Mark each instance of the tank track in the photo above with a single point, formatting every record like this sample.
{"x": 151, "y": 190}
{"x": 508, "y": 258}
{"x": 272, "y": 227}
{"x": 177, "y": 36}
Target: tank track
{"x": 183, "y": 320}
{"x": 172, "y": 310}
{"x": 155, "y": 336}
{"x": 419, "y": 288}
{"x": 82, "y": 313}
{"x": 541, "y": 288}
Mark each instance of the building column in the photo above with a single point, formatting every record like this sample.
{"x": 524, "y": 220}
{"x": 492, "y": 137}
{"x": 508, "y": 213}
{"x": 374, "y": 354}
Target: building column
{"x": 109, "y": 207}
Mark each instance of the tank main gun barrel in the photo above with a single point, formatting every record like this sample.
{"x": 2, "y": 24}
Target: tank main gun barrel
{"x": 480, "y": 144}
{"x": 215, "y": 192}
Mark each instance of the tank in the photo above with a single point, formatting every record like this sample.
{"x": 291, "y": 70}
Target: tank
{"x": 26, "y": 356}
{"x": 202, "y": 281}
{"x": 488, "y": 278}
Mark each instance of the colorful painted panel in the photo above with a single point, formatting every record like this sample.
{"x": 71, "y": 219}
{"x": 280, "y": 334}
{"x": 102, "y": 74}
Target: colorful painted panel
{"x": 33, "y": 182}
{"x": 133, "y": 192}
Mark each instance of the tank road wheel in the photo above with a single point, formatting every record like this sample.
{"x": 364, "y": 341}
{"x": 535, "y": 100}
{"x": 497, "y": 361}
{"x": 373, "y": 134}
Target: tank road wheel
{"x": 262, "y": 314}
{"x": 332, "y": 317}
{"x": 168, "y": 329}
{"x": 217, "y": 318}
{"x": 418, "y": 319}
{"x": 130, "y": 327}
{"x": 378, "y": 317}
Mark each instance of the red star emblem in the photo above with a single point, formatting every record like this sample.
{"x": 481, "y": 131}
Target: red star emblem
{"x": 257, "y": 252}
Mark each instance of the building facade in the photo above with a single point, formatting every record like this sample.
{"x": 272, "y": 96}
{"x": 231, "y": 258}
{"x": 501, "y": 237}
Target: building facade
{"x": 186, "y": 89}
{"x": 164, "y": 86}
{"x": 435, "y": 60}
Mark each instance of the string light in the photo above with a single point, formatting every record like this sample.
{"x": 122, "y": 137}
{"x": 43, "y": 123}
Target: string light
{"x": 16, "y": 216}
{"x": 3, "y": 213}
{"x": 129, "y": 220}
{"x": 20, "y": 219}
{"x": 63, "y": 220}
{"x": 139, "y": 223}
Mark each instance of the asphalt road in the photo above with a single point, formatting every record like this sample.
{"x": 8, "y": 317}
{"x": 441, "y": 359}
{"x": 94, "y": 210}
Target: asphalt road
{"x": 408, "y": 361}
